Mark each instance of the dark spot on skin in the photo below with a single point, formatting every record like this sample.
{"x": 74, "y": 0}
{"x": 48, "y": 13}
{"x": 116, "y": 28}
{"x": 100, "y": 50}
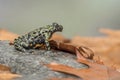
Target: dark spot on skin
{"x": 29, "y": 36}
{"x": 50, "y": 31}
{"x": 39, "y": 34}
{"x": 19, "y": 37}
{"x": 46, "y": 31}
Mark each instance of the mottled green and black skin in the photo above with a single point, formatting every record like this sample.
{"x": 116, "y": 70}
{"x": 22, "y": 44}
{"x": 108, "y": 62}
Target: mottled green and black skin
{"x": 37, "y": 36}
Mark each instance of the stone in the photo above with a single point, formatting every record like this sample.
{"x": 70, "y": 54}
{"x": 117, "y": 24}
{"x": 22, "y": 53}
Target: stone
{"x": 30, "y": 64}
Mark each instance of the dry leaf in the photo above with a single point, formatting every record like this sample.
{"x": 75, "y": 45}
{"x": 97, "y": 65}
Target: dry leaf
{"x": 59, "y": 37}
{"x": 8, "y": 76}
{"x": 110, "y": 32}
{"x": 5, "y": 73}
{"x": 84, "y": 51}
{"x": 4, "y": 68}
{"x": 6, "y": 35}
{"x": 63, "y": 79}
{"x": 106, "y": 47}
{"x": 94, "y": 72}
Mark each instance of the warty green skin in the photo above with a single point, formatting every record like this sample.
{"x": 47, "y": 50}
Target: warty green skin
{"x": 37, "y": 36}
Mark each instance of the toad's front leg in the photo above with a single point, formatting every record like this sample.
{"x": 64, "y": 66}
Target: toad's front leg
{"x": 47, "y": 44}
{"x": 46, "y": 38}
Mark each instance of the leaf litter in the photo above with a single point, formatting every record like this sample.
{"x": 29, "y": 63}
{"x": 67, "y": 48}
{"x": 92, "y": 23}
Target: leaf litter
{"x": 101, "y": 54}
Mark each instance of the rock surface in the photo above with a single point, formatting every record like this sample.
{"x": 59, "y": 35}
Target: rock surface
{"x": 30, "y": 64}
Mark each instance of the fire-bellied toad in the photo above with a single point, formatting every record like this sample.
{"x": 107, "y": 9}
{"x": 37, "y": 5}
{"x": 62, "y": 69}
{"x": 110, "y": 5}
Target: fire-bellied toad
{"x": 37, "y": 36}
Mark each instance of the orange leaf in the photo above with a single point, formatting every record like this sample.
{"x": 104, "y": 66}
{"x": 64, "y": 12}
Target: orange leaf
{"x": 5, "y": 73}
{"x": 4, "y": 68}
{"x": 63, "y": 79}
{"x": 106, "y": 47}
{"x": 58, "y": 37}
{"x": 6, "y": 35}
{"x": 8, "y": 76}
{"x": 81, "y": 52}
{"x": 94, "y": 72}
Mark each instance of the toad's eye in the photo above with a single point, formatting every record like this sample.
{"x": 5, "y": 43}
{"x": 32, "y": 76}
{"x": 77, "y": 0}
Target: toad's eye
{"x": 55, "y": 24}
